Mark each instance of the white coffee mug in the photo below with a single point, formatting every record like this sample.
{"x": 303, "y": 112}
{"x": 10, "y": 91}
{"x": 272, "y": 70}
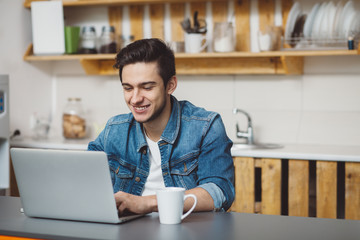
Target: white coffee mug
{"x": 170, "y": 202}
{"x": 195, "y": 42}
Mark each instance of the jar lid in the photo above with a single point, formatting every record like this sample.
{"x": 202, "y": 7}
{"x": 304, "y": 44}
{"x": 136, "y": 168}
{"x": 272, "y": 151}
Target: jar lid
{"x": 77, "y": 99}
{"x": 108, "y": 29}
{"x": 88, "y": 29}
{"x": 127, "y": 37}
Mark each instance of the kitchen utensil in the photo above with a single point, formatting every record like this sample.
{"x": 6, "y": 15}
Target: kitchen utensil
{"x": 186, "y": 25}
{"x": 196, "y": 22}
{"x": 198, "y": 27}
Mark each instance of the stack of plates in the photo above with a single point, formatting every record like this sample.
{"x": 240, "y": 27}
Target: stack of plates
{"x": 327, "y": 20}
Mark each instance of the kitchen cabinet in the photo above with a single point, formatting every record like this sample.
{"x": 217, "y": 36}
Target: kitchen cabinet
{"x": 297, "y": 187}
{"x": 242, "y": 61}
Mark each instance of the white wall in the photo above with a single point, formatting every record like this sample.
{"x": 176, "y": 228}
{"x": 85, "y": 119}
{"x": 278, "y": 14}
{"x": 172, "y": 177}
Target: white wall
{"x": 320, "y": 107}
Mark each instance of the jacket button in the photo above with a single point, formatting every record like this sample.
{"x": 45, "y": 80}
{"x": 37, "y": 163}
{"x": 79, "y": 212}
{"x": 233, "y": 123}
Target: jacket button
{"x": 137, "y": 179}
{"x": 144, "y": 151}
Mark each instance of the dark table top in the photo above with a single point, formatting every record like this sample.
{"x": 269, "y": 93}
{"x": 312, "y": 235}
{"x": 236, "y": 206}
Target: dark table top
{"x": 202, "y": 226}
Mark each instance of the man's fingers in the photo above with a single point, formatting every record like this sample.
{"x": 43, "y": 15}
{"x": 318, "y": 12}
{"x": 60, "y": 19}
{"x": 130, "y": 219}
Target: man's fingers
{"x": 122, "y": 208}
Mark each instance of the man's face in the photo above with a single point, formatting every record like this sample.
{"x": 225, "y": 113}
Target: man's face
{"x": 144, "y": 92}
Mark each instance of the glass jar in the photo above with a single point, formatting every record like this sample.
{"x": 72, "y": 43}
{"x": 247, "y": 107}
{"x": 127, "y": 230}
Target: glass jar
{"x": 108, "y": 40}
{"x": 224, "y": 37}
{"x": 74, "y": 123}
{"x": 88, "y": 40}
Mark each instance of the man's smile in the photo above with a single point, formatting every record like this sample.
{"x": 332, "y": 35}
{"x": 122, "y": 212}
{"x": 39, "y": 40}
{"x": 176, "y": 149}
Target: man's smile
{"x": 140, "y": 108}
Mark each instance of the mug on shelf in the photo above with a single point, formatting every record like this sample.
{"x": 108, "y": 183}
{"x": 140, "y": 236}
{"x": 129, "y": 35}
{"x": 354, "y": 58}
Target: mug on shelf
{"x": 195, "y": 42}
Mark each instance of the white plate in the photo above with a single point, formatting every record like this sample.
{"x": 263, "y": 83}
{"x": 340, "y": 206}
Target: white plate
{"x": 310, "y": 20}
{"x": 355, "y": 25}
{"x": 295, "y": 11}
{"x": 330, "y": 20}
{"x": 345, "y": 15}
{"x": 325, "y": 20}
{"x": 315, "y": 33}
{"x": 339, "y": 9}
{"x": 348, "y": 22}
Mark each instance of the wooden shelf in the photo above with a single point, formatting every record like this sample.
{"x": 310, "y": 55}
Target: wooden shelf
{"x": 242, "y": 61}
{"x": 81, "y": 3}
{"x": 276, "y": 62}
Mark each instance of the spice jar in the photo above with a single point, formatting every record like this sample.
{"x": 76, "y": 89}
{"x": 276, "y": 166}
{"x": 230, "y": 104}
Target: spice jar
{"x": 107, "y": 40}
{"x": 88, "y": 40}
{"x": 74, "y": 123}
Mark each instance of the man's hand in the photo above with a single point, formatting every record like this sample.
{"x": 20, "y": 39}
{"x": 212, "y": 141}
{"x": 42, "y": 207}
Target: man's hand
{"x": 128, "y": 203}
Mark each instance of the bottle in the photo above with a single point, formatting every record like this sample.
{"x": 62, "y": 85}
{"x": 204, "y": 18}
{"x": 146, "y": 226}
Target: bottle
{"x": 88, "y": 40}
{"x": 107, "y": 40}
{"x": 74, "y": 123}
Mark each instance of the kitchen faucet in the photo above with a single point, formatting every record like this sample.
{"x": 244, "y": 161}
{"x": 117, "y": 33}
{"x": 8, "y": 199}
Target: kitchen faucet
{"x": 248, "y": 135}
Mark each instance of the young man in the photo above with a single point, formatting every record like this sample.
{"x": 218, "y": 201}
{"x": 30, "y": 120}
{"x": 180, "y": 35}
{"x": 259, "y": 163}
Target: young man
{"x": 163, "y": 142}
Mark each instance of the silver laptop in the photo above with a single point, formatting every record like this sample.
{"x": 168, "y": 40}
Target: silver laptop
{"x": 66, "y": 184}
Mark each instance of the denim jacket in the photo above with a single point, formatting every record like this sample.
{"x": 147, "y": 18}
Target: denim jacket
{"x": 194, "y": 147}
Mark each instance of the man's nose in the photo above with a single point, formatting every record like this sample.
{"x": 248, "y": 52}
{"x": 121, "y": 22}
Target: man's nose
{"x": 136, "y": 96}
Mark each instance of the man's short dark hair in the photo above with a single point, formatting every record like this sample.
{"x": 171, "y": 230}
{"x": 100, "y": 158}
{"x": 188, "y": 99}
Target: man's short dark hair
{"x": 148, "y": 50}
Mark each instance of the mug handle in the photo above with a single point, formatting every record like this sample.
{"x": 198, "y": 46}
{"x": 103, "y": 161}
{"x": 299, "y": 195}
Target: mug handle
{"x": 192, "y": 208}
{"x": 205, "y": 44}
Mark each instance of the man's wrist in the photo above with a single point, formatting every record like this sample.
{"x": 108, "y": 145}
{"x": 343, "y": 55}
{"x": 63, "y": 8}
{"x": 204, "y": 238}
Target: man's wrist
{"x": 152, "y": 203}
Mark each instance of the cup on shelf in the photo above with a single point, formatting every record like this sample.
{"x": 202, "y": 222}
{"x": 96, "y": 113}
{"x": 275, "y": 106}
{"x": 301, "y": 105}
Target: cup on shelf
{"x": 195, "y": 42}
{"x": 72, "y": 35}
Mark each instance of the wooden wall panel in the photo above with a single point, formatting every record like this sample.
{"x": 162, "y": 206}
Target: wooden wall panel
{"x": 266, "y": 14}
{"x": 177, "y": 16}
{"x": 242, "y": 25}
{"x": 298, "y": 188}
{"x": 352, "y": 190}
{"x": 219, "y": 11}
{"x": 115, "y": 19}
{"x": 136, "y": 21}
{"x": 157, "y": 20}
{"x": 245, "y": 185}
{"x": 326, "y": 189}
{"x": 271, "y": 186}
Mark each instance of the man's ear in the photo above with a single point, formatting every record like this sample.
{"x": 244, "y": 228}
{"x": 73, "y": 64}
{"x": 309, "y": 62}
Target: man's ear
{"x": 171, "y": 85}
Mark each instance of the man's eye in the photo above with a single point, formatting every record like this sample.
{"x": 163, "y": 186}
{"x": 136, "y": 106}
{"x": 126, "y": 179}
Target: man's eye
{"x": 148, "y": 88}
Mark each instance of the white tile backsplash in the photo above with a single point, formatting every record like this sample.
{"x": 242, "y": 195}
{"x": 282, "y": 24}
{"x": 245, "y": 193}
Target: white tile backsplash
{"x": 335, "y": 92}
{"x": 308, "y": 109}
{"x": 336, "y": 128}
{"x": 268, "y": 92}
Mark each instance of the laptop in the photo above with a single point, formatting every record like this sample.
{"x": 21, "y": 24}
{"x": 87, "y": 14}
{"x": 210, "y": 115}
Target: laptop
{"x": 66, "y": 184}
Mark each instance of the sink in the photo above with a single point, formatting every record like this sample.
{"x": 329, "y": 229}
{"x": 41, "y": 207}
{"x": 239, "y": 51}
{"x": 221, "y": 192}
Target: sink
{"x": 245, "y": 146}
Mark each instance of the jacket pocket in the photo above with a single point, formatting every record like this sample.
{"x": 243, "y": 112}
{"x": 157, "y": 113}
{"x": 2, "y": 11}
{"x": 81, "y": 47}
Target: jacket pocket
{"x": 184, "y": 170}
{"x": 121, "y": 173}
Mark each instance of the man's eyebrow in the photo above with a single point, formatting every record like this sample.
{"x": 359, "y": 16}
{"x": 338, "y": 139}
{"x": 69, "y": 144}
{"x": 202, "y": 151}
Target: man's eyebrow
{"x": 141, "y": 84}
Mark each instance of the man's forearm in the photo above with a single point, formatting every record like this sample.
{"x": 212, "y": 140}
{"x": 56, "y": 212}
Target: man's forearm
{"x": 204, "y": 200}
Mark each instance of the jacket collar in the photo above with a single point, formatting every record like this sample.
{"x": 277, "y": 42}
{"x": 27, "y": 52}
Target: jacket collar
{"x": 171, "y": 130}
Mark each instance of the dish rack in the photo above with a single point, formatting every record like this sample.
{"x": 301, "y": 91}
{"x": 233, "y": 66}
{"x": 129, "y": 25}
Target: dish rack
{"x": 319, "y": 43}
